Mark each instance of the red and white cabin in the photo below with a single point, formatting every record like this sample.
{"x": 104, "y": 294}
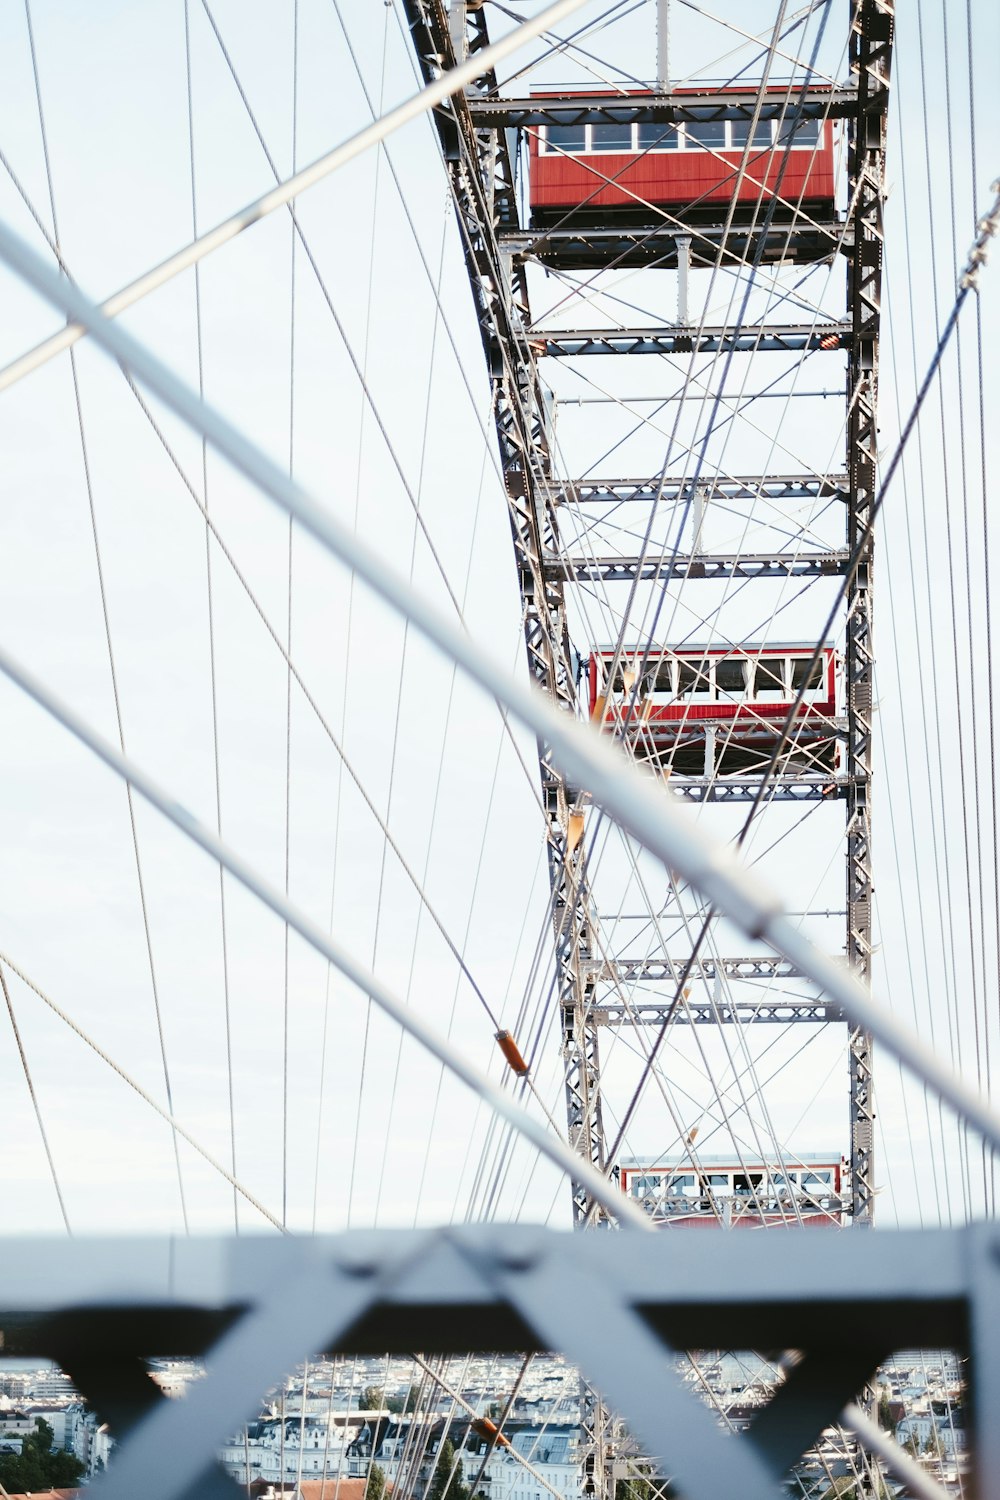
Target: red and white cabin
{"x": 722, "y": 704}
{"x": 723, "y": 1191}
{"x": 611, "y": 172}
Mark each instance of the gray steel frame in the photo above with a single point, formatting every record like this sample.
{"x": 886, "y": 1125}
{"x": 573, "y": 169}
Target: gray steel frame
{"x": 773, "y": 1007}
{"x": 773, "y": 338}
{"x": 774, "y": 1011}
{"x": 870, "y": 56}
{"x": 766, "y": 966}
{"x": 786, "y": 787}
{"x": 615, "y": 569}
{"x": 816, "y": 103}
{"x": 574, "y": 246}
{"x": 472, "y": 131}
{"x": 669, "y": 492}
{"x": 617, "y": 1306}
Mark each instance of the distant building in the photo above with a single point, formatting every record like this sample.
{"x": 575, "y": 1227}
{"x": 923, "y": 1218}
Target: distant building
{"x": 281, "y": 1450}
{"x": 553, "y": 1453}
{"x": 50, "y": 1384}
{"x": 310, "y": 1489}
{"x": 15, "y": 1422}
{"x": 87, "y": 1438}
{"x": 938, "y": 1421}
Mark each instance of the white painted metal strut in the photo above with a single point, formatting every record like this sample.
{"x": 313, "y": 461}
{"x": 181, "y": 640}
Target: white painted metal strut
{"x": 642, "y": 807}
{"x": 254, "y": 1307}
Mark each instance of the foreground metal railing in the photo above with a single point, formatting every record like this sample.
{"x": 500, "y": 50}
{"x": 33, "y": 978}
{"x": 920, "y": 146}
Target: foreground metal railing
{"x": 255, "y": 1308}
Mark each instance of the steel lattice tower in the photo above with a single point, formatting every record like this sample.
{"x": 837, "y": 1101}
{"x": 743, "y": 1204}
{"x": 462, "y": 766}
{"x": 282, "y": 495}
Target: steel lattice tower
{"x": 475, "y": 133}
{"x": 478, "y": 136}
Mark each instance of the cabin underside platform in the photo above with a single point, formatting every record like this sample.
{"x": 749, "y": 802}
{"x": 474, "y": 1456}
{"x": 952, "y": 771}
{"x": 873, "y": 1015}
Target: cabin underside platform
{"x": 713, "y": 752}
{"x": 595, "y": 239}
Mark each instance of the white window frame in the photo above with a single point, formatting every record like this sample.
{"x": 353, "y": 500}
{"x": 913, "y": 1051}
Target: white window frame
{"x": 785, "y": 678}
{"x": 681, "y": 143}
{"x": 703, "y": 692}
{"x": 818, "y": 693}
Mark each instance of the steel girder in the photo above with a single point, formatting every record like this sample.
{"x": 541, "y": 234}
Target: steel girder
{"x": 703, "y": 565}
{"x": 642, "y": 1012}
{"x": 773, "y": 1008}
{"x": 870, "y": 58}
{"x": 618, "y": 1306}
{"x": 481, "y": 176}
{"x": 765, "y": 966}
{"x": 815, "y": 103}
{"x": 646, "y": 241}
{"x": 774, "y": 487}
{"x": 786, "y": 788}
{"x": 764, "y": 338}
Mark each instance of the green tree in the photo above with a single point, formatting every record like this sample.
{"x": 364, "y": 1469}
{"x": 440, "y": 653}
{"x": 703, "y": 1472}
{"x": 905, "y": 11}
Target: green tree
{"x": 38, "y": 1466}
{"x": 371, "y": 1398}
{"x": 447, "y": 1476}
{"x": 635, "y": 1487}
{"x": 400, "y": 1404}
{"x": 885, "y": 1420}
{"x": 375, "y": 1488}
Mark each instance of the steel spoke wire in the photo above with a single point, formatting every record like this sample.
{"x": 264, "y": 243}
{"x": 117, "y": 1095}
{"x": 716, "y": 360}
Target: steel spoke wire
{"x": 176, "y": 1126}
{"x": 656, "y": 825}
{"x": 714, "y": 400}
{"x": 211, "y": 526}
{"x": 141, "y": 880}
{"x": 35, "y": 1102}
{"x": 700, "y": 459}
{"x": 210, "y": 597}
{"x": 426, "y": 99}
{"x": 989, "y": 224}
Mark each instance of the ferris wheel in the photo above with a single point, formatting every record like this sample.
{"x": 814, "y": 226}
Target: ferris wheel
{"x": 457, "y": 943}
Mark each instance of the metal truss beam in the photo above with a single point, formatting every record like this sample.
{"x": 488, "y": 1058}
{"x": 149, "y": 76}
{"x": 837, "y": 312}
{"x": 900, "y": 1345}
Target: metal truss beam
{"x": 643, "y": 239}
{"x": 434, "y": 1289}
{"x": 705, "y": 565}
{"x": 776, "y": 488}
{"x": 772, "y": 338}
{"x": 765, "y": 966}
{"x": 482, "y": 184}
{"x": 773, "y": 1012}
{"x": 774, "y": 1008}
{"x": 870, "y": 60}
{"x": 255, "y": 1308}
{"x": 746, "y": 788}
{"x": 816, "y": 103}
